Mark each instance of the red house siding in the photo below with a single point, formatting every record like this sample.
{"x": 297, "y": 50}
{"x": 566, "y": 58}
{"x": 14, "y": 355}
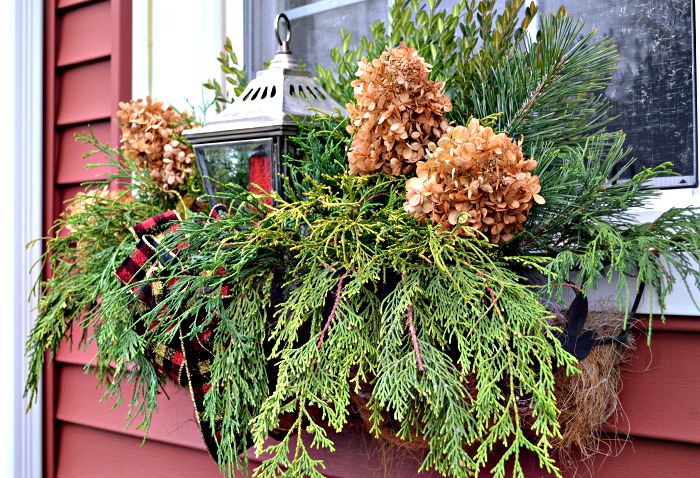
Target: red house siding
{"x": 661, "y": 412}
{"x": 88, "y": 70}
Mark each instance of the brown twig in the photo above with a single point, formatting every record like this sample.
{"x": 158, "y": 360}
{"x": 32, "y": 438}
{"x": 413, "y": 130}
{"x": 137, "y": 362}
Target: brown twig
{"x": 412, "y": 331}
{"x": 494, "y": 298}
{"x": 414, "y": 339}
{"x": 572, "y": 286}
{"x": 338, "y": 292}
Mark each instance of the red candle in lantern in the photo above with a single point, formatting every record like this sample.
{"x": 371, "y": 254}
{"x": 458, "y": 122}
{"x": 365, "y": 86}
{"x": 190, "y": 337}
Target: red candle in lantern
{"x": 260, "y": 173}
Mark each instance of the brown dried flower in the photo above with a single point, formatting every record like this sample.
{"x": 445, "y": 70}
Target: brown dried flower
{"x": 150, "y": 136}
{"x": 474, "y": 178}
{"x": 398, "y": 112}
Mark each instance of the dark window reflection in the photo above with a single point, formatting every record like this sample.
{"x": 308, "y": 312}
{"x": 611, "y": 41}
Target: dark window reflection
{"x": 653, "y": 90}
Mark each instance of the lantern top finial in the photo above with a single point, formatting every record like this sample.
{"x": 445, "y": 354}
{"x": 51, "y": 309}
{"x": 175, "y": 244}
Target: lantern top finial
{"x": 283, "y": 45}
{"x": 283, "y": 59}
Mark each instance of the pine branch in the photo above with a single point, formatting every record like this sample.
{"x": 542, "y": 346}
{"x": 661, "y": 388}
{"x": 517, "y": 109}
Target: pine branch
{"x": 530, "y": 103}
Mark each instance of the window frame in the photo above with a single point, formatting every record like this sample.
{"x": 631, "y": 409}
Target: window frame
{"x": 679, "y": 302}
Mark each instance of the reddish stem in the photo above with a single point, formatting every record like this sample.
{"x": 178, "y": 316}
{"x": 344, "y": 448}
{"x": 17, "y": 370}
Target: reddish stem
{"x": 494, "y": 298}
{"x": 338, "y": 292}
{"x": 412, "y": 331}
{"x": 414, "y": 338}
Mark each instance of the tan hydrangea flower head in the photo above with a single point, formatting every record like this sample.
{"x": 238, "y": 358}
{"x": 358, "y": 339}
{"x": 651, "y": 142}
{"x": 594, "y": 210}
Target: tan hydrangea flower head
{"x": 474, "y": 179}
{"x": 398, "y": 112}
{"x": 150, "y": 132}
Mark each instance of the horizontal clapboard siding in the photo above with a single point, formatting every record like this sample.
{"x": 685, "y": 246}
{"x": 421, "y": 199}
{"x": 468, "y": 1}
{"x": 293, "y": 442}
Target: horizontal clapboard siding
{"x": 645, "y": 458}
{"x": 174, "y": 423}
{"x": 98, "y": 453}
{"x": 659, "y": 423}
{"x": 660, "y": 383}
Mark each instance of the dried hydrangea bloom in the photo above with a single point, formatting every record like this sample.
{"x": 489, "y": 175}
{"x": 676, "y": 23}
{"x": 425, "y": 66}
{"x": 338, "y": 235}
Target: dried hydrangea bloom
{"x": 150, "y": 133}
{"x": 398, "y": 112}
{"x": 474, "y": 178}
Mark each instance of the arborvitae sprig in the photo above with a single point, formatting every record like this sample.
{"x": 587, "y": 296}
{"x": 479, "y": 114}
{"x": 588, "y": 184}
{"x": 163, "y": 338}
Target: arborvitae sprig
{"x": 323, "y": 145}
{"x": 459, "y": 294}
{"x": 82, "y": 253}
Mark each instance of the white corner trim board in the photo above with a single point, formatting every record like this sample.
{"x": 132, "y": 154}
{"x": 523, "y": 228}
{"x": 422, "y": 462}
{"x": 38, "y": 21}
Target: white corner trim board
{"x": 21, "y": 51}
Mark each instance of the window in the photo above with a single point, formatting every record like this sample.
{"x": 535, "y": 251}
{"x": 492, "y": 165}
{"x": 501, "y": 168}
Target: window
{"x": 315, "y": 27}
{"x": 653, "y": 90}
{"x": 176, "y": 44}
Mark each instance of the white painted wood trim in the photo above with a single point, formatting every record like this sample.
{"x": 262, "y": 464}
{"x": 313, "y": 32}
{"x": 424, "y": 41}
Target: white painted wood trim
{"x": 21, "y": 51}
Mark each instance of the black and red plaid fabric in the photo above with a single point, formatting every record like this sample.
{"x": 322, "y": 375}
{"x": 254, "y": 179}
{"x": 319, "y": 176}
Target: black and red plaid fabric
{"x": 198, "y": 360}
{"x": 156, "y": 224}
{"x": 144, "y": 263}
{"x": 186, "y": 360}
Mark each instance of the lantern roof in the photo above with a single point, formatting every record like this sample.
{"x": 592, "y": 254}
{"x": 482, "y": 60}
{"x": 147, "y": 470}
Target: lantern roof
{"x": 271, "y": 102}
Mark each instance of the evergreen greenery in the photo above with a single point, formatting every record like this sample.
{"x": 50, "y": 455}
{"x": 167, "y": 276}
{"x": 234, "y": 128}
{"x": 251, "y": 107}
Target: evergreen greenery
{"x": 78, "y": 267}
{"x": 336, "y": 287}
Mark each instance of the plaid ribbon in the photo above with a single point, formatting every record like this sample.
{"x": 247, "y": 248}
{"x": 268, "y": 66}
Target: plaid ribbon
{"x": 185, "y": 360}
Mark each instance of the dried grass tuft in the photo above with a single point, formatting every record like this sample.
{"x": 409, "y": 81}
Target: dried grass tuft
{"x": 586, "y": 400}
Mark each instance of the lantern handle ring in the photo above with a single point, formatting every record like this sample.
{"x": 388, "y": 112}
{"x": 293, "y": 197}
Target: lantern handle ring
{"x": 283, "y": 45}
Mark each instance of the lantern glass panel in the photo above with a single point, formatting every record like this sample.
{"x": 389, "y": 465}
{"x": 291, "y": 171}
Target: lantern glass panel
{"x": 248, "y": 164}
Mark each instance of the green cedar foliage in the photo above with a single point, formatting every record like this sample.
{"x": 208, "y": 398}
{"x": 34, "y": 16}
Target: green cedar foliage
{"x": 483, "y": 336}
{"x": 82, "y": 253}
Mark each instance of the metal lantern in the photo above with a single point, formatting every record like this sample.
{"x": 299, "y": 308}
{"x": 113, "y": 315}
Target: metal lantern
{"x": 247, "y": 142}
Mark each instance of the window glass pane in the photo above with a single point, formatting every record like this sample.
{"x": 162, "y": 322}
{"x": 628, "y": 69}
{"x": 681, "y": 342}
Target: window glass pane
{"x": 313, "y": 36}
{"x": 653, "y": 90}
{"x": 315, "y": 27}
{"x": 242, "y": 163}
